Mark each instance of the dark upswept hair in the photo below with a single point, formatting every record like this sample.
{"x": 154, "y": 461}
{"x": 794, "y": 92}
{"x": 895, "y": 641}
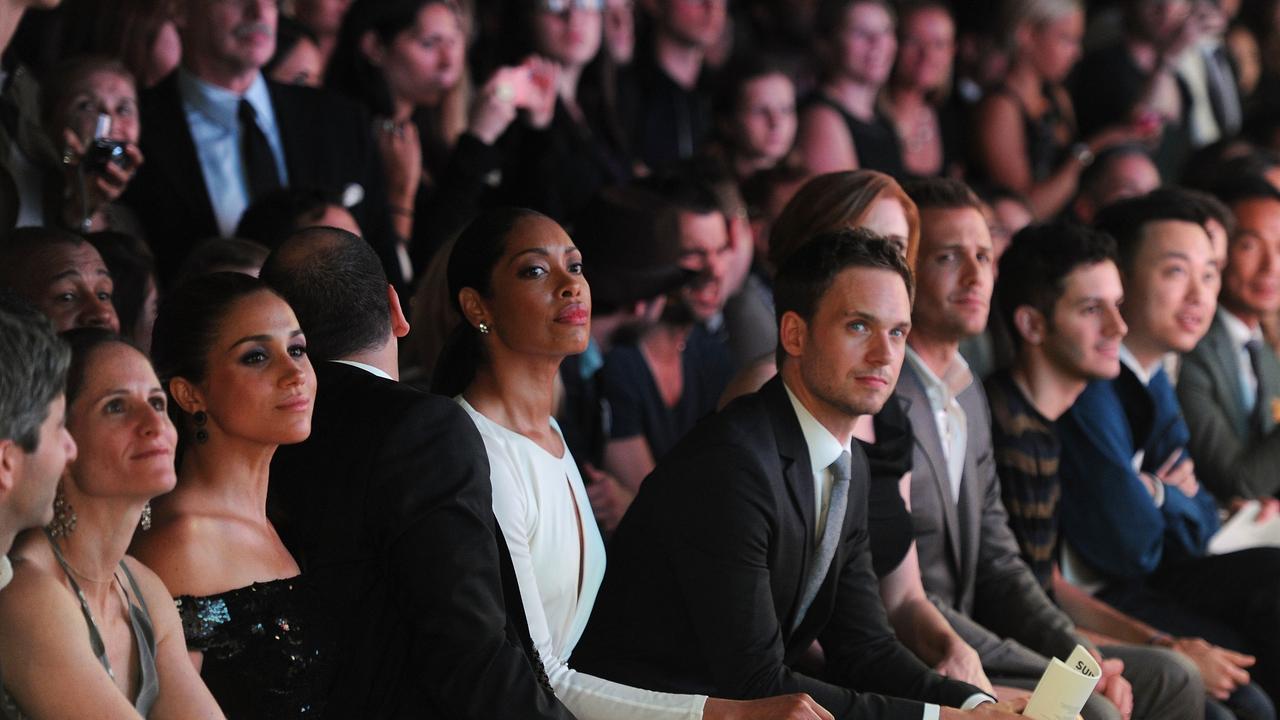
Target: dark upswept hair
{"x": 336, "y": 285}
{"x": 189, "y": 319}
{"x": 471, "y": 262}
{"x": 33, "y": 370}
{"x": 1125, "y": 220}
{"x": 807, "y": 273}
{"x": 1034, "y": 269}
{"x": 349, "y": 71}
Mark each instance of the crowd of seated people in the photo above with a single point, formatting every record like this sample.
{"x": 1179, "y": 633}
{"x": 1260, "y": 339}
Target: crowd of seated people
{"x": 666, "y": 360}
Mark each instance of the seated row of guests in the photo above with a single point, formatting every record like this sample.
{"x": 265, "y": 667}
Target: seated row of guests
{"x": 518, "y": 284}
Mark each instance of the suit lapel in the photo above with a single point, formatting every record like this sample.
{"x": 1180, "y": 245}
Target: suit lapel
{"x": 294, "y": 156}
{"x": 925, "y": 429}
{"x": 1229, "y": 381}
{"x": 797, "y": 473}
{"x": 173, "y": 150}
{"x": 1269, "y": 381}
{"x": 969, "y": 511}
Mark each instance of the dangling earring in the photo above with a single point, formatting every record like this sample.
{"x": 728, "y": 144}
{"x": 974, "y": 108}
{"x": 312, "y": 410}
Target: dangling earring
{"x": 202, "y": 435}
{"x": 483, "y": 328}
{"x": 64, "y": 516}
{"x": 145, "y": 523}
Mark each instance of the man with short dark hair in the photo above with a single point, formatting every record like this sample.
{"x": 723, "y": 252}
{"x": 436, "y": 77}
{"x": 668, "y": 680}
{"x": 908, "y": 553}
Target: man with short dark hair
{"x": 649, "y": 411}
{"x": 1135, "y": 521}
{"x": 1229, "y": 386}
{"x": 60, "y": 274}
{"x": 219, "y": 136}
{"x": 388, "y": 505}
{"x": 1060, "y": 292}
{"x": 34, "y": 443}
{"x": 757, "y": 521}
{"x": 969, "y": 559}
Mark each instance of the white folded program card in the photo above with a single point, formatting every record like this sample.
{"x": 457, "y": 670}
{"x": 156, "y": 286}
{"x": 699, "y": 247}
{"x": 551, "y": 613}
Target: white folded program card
{"x": 1065, "y": 687}
{"x": 1243, "y": 531}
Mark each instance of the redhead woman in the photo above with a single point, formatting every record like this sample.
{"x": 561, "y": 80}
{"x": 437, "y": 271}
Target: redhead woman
{"x": 516, "y": 278}
{"x": 75, "y": 576}
{"x": 234, "y": 361}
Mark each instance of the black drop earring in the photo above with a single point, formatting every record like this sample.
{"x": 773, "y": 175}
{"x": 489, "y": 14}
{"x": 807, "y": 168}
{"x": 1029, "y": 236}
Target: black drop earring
{"x": 202, "y": 435}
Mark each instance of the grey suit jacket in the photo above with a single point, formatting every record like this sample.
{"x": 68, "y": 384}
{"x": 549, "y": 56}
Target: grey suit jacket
{"x": 1232, "y": 458}
{"x": 969, "y": 557}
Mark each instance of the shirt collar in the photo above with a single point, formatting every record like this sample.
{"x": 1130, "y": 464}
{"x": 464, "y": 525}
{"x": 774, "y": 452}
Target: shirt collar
{"x": 824, "y": 448}
{"x": 1131, "y": 361}
{"x": 1237, "y": 330}
{"x": 367, "y": 368}
{"x": 953, "y": 382}
{"x": 6, "y": 571}
{"x": 221, "y": 105}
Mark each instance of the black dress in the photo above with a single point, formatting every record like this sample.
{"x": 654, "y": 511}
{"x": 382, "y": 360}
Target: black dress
{"x": 888, "y": 520}
{"x": 875, "y": 142}
{"x": 267, "y": 652}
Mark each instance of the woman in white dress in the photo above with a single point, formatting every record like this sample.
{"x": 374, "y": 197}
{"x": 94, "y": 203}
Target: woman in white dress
{"x": 517, "y": 280}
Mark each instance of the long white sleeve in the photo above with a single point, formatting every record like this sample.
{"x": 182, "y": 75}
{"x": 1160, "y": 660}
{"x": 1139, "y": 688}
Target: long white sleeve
{"x": 534, "y": 499}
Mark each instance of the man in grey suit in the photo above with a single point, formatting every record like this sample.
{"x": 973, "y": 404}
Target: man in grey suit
{"x": 969, "y": 559}
{"x": 1229, "y": 385}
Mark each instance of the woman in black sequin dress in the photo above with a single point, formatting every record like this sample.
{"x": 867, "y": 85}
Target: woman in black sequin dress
{"x": 233, "y": 358}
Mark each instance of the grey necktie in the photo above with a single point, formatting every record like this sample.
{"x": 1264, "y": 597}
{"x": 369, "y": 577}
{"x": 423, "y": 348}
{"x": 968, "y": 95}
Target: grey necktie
{"x": 826, "y": 550}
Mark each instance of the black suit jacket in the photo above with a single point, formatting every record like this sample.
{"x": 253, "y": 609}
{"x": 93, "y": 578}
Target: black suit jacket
{"x": 707, "y": 568}
{"x": 388, "y": 507}
{"x": 327, "y": 146}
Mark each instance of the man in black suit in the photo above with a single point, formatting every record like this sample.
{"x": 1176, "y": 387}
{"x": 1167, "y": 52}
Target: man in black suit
{"x": 218, "y": 135}
{"x": 749, "y": 540}
{"x": 388, "y": 505}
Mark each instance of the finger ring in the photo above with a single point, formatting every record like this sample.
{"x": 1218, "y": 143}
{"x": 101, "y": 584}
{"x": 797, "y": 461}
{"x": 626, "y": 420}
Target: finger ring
{"x": 66, "y": 156}
{"x": 388, "y": 126}
{"x": 505, "y": 93}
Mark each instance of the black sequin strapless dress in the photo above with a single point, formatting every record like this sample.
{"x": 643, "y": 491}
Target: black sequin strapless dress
{"x": 267, "y": 651}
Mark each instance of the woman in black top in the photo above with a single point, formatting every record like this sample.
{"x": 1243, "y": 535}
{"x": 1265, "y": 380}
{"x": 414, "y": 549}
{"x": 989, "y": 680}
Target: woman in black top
{"x": 556, "y": 169}
{"x": 231, "y": 354}
{"x": 1026, "y": 137}
{"x": 841, "y": 125}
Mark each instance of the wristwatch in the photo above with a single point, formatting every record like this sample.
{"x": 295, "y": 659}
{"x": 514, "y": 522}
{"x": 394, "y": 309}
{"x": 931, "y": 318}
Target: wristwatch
{"x": 1083, "y": 155}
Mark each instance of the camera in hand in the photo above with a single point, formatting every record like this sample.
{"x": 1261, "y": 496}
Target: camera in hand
{"x": 104, "y": 151}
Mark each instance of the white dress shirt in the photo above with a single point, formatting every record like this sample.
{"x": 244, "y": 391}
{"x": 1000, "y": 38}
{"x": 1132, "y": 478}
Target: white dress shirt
{"x": 367, "y": 368}
{"x": 950, "y": 418}
{"x": 542, "y": 508}
{"x": 825, "y": 449}
{"x": 212, "y": 116}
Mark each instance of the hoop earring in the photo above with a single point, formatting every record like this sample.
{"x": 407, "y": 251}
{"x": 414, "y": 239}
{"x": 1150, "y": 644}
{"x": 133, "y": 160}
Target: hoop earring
{"x": 200, "y": 418}
{"x": 64, "y": 516}
{"x": 145, "y": 522}
{"x": 483, "y": 328}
